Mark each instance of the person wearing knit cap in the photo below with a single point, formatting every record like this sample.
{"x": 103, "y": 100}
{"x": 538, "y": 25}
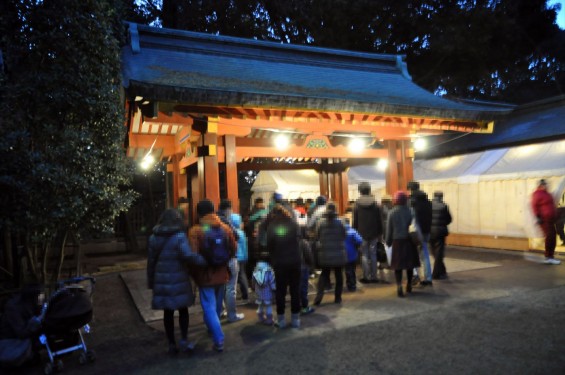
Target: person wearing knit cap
{"x": 404, "y": 253}
{"x": 211, "y": 280}
{"x": 441, "y": 218}
{"x": 367, "y": 220}
{"x": 545, "y": 210}
{"x": 330, "y": 237}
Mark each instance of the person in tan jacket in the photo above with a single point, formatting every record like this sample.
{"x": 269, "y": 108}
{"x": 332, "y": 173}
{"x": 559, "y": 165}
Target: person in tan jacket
{"x": 211, "y": 279}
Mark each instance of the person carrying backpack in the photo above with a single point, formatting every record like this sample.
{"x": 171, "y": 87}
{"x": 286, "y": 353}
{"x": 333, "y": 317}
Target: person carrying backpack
{"x": 215, "y": 241}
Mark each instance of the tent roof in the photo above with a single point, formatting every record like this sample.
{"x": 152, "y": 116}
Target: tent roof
{"x": 535, "y": 160}
{"x": 208, "y": 70}
{"x": 536, "y": 122}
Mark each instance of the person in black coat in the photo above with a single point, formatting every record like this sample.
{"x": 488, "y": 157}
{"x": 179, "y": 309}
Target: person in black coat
{"x": 367, "y": 220}
{"x": 169, "y": 277}
{"x": 330, "y": 236}
{"x": 283, "y": 234}
{"x": 422, "y": 208}
{"x": 441, "y": 218}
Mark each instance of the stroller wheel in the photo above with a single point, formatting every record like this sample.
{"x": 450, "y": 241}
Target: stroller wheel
{"x": 82, "y": 358}
{"x": 91, "y": 355}
{"x": 59, "y": 366}
{"x": 48, "y": 369}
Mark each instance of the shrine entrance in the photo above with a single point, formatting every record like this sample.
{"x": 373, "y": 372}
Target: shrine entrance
{"x": 212, "y": 106}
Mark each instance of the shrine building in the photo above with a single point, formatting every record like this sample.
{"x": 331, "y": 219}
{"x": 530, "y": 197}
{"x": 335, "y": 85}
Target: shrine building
{"x": 214, "y": 105}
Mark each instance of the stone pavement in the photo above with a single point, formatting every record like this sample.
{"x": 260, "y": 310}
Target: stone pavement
{"x": 498, "y": 313}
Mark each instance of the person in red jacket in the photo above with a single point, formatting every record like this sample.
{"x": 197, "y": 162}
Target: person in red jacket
{"x": 545, "y": 210}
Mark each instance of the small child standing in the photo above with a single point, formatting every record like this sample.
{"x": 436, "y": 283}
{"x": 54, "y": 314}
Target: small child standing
{"x": 264, "y": 285}
{"x": 352, "y": 242}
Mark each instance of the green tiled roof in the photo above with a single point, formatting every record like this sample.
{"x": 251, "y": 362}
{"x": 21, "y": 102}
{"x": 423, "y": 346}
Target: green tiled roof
{"x": 203, "y": 69}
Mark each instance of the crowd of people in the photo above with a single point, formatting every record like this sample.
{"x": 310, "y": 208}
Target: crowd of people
{"x": 282, "y": 246}
{"x": 276, "y": 251}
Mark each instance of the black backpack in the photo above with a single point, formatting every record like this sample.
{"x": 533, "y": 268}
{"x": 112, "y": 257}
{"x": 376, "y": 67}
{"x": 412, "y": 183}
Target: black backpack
{"x": 215, "y": 246}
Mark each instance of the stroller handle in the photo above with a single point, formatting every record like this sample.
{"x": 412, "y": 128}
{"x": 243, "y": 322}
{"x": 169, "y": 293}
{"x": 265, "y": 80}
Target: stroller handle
{"x": 75, "y": 280}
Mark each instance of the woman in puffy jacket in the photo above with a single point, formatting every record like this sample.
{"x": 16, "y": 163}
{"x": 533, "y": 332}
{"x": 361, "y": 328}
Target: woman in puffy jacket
{"x": 330, "y": 246}
{"x": 168, "y": 275}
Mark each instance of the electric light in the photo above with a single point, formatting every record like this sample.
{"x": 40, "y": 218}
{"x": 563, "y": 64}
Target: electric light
{"x": 356, "y": 145}
{"x": 282, "y": 142}
{"x": 382, "y": 164}
{"x": 420, "y": 144}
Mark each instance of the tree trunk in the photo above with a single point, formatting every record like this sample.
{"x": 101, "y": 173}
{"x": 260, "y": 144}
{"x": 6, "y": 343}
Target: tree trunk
{"x": 61, "y": 259}
{"x": 129, "y": 234}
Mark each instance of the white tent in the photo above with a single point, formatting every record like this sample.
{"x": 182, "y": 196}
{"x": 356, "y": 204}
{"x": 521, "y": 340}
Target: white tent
{"x": 305, "y": 183}
{"x": 488, "y": 192}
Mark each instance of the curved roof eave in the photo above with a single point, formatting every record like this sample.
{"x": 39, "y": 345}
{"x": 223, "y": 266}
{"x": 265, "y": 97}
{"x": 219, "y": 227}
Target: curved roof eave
{"x": 203, "y": 69}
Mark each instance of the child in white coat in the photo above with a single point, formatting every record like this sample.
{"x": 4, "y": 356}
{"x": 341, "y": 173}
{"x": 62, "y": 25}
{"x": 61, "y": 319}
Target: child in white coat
{"x": 264, "y": 286}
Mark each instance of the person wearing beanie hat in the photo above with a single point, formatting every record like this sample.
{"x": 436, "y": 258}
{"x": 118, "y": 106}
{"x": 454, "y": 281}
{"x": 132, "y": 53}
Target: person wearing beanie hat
{"x": 441, "y": 218}
{"x": 545, "y": 210}
{"x": 330, "y": 237}
{"x": 367, "y": 220}
{"x": 211, "y": 280}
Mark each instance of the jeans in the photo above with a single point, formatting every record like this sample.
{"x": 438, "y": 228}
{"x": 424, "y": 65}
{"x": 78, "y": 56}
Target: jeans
{"x": 425, "y": 257}
{"x": 231, "y": 289}
{"x": 304, "y": 277}
{"x": 211, "y": 298}
{"x": 369, "y": 259}
{"x": 242, "y": 280}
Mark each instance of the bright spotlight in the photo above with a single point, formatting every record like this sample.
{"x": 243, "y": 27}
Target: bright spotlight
{"x": 147, "y": 162}
{"x": 382, "y": 164}
{"x": 356, "y": 145}
{"x": 282, "y": 142}
{"x": 420, "y": 144}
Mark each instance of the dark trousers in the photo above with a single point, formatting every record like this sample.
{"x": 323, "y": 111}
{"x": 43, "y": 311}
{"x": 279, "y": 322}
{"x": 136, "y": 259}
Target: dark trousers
{"x": 304, "y": 277}
{"x": 242, "y": 280}
{"x": 350, "y": 279}
{"x": 287, "y": 277}
{"x": 324, "y": 277}
{"x": 438, "y": 250}
{"x": 548, "y": 229}
{"x": 560, "y": 229}
{"x": 169, "y": 323}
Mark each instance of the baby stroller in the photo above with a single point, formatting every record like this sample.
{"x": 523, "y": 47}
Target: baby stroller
{"x": 65, "y": 317}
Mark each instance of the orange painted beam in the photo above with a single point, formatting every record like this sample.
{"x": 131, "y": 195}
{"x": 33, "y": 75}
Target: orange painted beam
{"x": 231, "y": 172}
{"x": 166, "y": 142}
{"x": 296, "y": 151}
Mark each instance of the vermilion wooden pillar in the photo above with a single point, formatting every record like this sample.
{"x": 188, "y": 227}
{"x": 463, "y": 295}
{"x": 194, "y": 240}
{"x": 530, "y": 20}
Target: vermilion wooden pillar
{"x": 231, "y": 172}
{"x": 324, "y": 183}
{"x": 208, "y": 170}
{"x": 392, "y": 183}
{"x": 344, "y": 191}
{"x": 407, "y": 164}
